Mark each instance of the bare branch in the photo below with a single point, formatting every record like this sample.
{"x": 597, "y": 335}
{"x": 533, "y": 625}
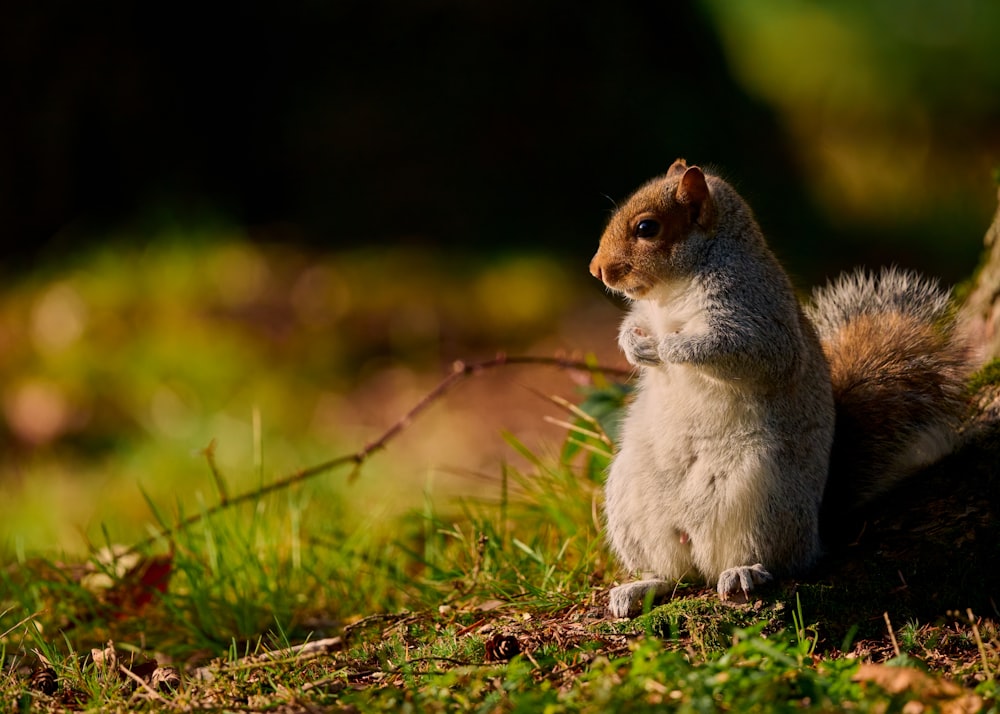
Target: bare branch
{"x": 459, "y": 372}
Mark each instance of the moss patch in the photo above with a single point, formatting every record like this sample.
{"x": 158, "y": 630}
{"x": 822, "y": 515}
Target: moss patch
{"x": 988, "y": 376}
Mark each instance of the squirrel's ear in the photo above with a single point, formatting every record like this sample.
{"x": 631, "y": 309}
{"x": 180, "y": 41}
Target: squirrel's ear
{"x": 692, "y": 191}
{"x": 693, "y": 188}
{"x": 677, "y": 168}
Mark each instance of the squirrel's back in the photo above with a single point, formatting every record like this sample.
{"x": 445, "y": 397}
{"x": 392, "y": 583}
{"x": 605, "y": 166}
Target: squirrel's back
{"x": 898, "y": 369}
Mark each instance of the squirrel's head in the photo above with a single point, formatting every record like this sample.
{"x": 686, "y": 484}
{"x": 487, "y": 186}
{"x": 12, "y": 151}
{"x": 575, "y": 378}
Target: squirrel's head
{"x": 639, "y": 245}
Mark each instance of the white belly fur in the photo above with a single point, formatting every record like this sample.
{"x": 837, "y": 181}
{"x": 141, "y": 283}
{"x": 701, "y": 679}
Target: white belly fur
{"x": 690, "y": 480}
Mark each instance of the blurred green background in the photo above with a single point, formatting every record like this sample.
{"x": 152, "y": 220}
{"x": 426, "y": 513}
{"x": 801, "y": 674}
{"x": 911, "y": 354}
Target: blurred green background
{"x": 273, "y": 225}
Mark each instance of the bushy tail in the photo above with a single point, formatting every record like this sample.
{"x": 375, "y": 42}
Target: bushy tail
{"x": 898, "y": 369}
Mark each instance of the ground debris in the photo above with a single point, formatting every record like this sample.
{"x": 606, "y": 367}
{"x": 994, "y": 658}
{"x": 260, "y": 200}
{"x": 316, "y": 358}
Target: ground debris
{"x": 921, "y": 690}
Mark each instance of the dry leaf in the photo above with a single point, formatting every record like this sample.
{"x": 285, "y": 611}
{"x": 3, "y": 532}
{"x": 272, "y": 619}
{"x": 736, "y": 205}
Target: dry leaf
{"x": 921, "y": 687}
{"x": 136, "y": 588}
{"x": 165, "y": 679}
{"x": 488, "y": 605}
{"x": 105, "y": 659}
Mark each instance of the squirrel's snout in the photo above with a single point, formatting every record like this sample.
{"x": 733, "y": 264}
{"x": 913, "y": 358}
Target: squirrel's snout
{"x": 595, "y": 269}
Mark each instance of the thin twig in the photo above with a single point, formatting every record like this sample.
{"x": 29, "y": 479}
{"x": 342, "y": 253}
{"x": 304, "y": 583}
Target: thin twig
{"x": 430, "y": 658}
{"x": 892, "y": 635}
{"x": 307, "y": 650}
{"x": 324, "y": 682}
{"x": 979, "y": 644}
{"x": 459, "y": 372}
{"x": 287, "y": 655}
{"x": 32, "y": 616}
{"x": 392, "y": 618}
{"x": 142, "y": 683}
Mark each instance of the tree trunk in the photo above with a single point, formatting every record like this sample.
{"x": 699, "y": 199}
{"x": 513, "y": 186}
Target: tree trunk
{"x": 979, "y": 317}
{"x": 932, "y": 546}
{"x": 980, "y": 314}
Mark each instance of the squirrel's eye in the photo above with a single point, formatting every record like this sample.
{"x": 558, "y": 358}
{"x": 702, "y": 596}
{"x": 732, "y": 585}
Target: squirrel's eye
{"x": 647, "y": 228}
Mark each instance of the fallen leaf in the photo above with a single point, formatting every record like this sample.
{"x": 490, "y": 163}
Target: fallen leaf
{"x": 488, "y": 605}
{"x": 106, "y": 658}
{"x": 165, "y": 679}
{"x": 947, "y": 697}
{"x": 137, "y": 587}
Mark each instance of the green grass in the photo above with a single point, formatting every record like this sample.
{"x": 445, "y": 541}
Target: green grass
{"x": 421, "y": 607}
{"x": 493, "y": 601}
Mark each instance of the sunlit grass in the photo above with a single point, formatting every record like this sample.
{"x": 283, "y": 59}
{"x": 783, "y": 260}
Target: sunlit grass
{"x": 291, "y": 566}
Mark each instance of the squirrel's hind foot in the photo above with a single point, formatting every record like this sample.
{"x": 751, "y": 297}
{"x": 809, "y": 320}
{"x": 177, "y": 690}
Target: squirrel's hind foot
{"x": 627, "y": 600}
{"x": 742, "y": 579}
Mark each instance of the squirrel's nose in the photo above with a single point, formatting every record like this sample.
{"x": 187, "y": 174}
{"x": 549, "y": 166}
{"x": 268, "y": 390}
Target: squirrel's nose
{"x": 595, "y": 270}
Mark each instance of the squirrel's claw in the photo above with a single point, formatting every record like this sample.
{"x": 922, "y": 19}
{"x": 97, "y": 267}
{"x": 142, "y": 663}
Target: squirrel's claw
{"x": 627, "y": 600}
{"x": 742, "y": 578}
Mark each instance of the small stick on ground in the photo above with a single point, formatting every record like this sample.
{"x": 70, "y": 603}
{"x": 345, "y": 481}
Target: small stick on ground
{"x": 892, "y": 635}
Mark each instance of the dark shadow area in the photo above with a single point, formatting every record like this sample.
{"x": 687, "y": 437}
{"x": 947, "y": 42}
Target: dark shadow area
{"x": 480, "y": 127}
{"x": 927, "y": 548}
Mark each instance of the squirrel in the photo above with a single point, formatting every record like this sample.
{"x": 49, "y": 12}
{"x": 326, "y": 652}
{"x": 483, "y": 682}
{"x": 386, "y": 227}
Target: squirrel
{"x": 754, "y": 414}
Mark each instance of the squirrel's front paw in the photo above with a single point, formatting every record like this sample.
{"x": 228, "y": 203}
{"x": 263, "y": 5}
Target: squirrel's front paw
{"x": 627, "y": 600}
{"x": 742, "y": 579}
{"x": 640, "y": 349}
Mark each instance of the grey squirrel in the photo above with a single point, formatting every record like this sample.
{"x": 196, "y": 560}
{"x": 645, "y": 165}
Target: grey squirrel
{"x": 751, "y": 412}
